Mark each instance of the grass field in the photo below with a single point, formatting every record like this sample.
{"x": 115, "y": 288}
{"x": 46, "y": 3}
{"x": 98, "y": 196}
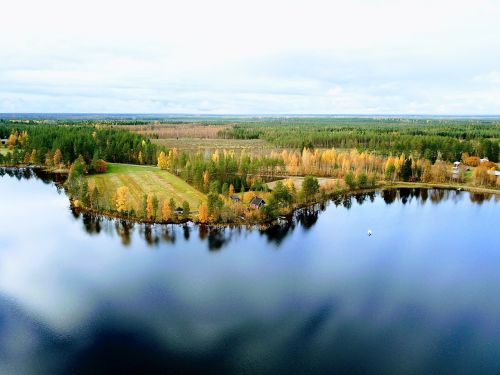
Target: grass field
{"x": 3, "y": 150}
{"x": 143, "y": 180}
{"x": 255, "y": 147}
{"x": 297, "y": 181}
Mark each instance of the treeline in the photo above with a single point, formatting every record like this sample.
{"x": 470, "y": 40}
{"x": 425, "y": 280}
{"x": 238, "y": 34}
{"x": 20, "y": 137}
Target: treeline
{"x": 34, "y": 143}
{"x": 431, "y": 139}
{"x": 221, "y": 170}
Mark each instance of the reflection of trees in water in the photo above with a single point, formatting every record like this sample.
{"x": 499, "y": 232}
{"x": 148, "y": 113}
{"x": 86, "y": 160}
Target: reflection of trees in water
{"x": 150, "y": 234}
{"x": 218, "y": 237}
{"x": 123, "y": 229}
{"x": 389, "y": 195}
{"x": 91, "y": 223}
{"x": 405, "y": 195}
{"x": 436, "y": 195}
{"x": 479, "y": 198}
{"x": 307, "y": 217}
{"x": 277, "y": 233}
{"x": 424, "y": 194}
{"x": 186, "y": 230}
{"x": 168, "y": 233}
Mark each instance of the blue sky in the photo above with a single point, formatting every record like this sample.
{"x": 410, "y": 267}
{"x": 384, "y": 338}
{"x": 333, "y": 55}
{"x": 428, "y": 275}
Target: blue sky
{"x": 222, "y": 56}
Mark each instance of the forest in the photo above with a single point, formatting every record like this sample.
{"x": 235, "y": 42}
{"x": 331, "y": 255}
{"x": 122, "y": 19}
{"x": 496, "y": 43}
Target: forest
{"x": 308, "y": 160}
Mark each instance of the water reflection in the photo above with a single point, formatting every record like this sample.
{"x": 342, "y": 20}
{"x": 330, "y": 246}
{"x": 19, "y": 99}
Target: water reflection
{"x": 216, "y": 238}
{"x": 313, "y": 294}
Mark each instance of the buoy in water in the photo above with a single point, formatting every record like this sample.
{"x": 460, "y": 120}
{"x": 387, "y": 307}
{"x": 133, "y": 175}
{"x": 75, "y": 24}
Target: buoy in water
{"x": 369, "y": 232}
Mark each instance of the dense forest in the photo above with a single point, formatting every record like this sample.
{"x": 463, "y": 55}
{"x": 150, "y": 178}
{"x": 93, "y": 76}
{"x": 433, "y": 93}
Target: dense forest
{"x": 430, "y": 139}
{"x": 33, "y": 143}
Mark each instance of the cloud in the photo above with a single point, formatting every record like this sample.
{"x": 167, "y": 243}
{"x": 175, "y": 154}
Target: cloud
{"x": 263, "y": 57}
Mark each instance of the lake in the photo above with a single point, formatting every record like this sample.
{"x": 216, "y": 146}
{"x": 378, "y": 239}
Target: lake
{"x": 317, "y": 295}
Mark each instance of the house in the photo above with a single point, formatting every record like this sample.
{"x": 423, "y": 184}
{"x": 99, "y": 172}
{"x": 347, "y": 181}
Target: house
{"x": 4, "y": 141}
{"x": 495, "y": 173}
{"x": 483, "y": 160}
{"x": 257, "y": 202}
{"x": 456, "y": 165}
{"x": 235, "y": 198}
{"x": 179, "y": 211}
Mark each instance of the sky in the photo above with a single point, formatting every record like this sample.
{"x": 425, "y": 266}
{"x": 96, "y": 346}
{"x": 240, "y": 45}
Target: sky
{"x": 251, "y": 57}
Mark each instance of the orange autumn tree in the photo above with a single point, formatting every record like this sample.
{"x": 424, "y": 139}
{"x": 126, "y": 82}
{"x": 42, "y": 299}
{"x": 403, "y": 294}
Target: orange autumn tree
{"x": 203, "y": 213}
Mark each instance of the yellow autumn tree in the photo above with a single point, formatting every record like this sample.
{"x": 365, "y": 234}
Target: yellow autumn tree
{"x": 231, "y": 190}
{"x": 122, "y": 198}
{"x": 166, "y": 213}
{"x": 162, "y": 161}
{"x": 203, "y": 213}
{"x": 149, "y": 206}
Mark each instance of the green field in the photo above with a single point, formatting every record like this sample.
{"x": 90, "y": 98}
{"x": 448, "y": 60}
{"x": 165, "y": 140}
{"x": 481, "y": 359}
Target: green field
{"x": 3, "y": 150}
{"x": 143, "y": 180}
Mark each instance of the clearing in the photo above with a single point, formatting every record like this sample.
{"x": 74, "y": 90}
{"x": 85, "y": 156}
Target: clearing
{"x": 143, "y": 180}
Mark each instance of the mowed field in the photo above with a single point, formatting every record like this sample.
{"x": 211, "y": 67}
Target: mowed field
{"x": 143, "y": 180}
{"x": 3, "y": 150}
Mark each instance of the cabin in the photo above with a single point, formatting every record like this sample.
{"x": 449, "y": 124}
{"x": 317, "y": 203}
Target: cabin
{"x": 4, "y": 141}
{"x": 456, "y": 165}
{"x": 483, "y": 160}
{"x": 235, "y": 198}
{"x": 495, "y": 173}
{"x": 179, "y": 211}
{"x": 257, "y": 202}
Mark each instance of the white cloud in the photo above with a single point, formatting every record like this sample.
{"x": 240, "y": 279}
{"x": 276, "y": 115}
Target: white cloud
{"x": 259, "y": 57}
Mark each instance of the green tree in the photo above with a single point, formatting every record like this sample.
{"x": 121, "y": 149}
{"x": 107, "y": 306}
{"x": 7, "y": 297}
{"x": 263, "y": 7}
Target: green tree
{"x": 310, "y": 187}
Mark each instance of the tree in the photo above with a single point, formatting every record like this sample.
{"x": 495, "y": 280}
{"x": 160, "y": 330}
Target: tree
{"x": 186, "y": 210}
{"x": 155, "y": 205}
{"x": 172, "y": 207}
{"x": 310, "y": 187}
{"x": 349, "y": 180}
{"x": 94, "y": 198}
{"x": 214, "y": 204}
{"x": 58, "y": 157}
{"x": 162, "y": 161}
{"x": 281, "y": 195}
{"x": 231, "y": 189}
{"x": 405, "y": 171}
{"x": 203, "y": 213}
{"x": 149, "y": 206}
{"x": 166, "y": 213}
{"x": 362, "y": 180}
{"x": 122, "y": 199}
{"x": 144, "y": 206}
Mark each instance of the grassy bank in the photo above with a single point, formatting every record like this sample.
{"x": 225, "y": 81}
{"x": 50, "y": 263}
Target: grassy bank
{"x": 143, "y": 180}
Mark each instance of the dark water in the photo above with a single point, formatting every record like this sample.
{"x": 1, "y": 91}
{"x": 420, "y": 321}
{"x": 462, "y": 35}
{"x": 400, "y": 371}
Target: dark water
{"x": 422, "y": 295}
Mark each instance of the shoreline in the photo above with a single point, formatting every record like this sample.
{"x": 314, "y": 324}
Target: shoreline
{"x": 382, "y": 185}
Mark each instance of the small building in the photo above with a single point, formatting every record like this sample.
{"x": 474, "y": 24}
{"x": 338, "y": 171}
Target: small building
{"x": 179, "y": 211}
{"x": 4, "y": 141}
{"x": 456, "y": 165}
{"x": 257, "y": 202}
{"x": 483, "y": 160}
{"x": 235, "y": 198}
{"x": 495, "y": 173}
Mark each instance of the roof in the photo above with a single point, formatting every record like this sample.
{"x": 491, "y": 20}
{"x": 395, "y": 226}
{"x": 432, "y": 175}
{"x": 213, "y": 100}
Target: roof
{"x": 257, "y": 201}
{"x": 496, "y": 173}
{"x": 235, "y": 198}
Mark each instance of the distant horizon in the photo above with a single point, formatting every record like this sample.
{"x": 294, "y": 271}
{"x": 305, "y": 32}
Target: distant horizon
{"x": 194, "y": 115}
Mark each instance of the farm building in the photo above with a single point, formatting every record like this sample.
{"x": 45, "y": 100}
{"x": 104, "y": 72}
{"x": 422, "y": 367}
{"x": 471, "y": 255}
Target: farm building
{"x": 257, "y": 202}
